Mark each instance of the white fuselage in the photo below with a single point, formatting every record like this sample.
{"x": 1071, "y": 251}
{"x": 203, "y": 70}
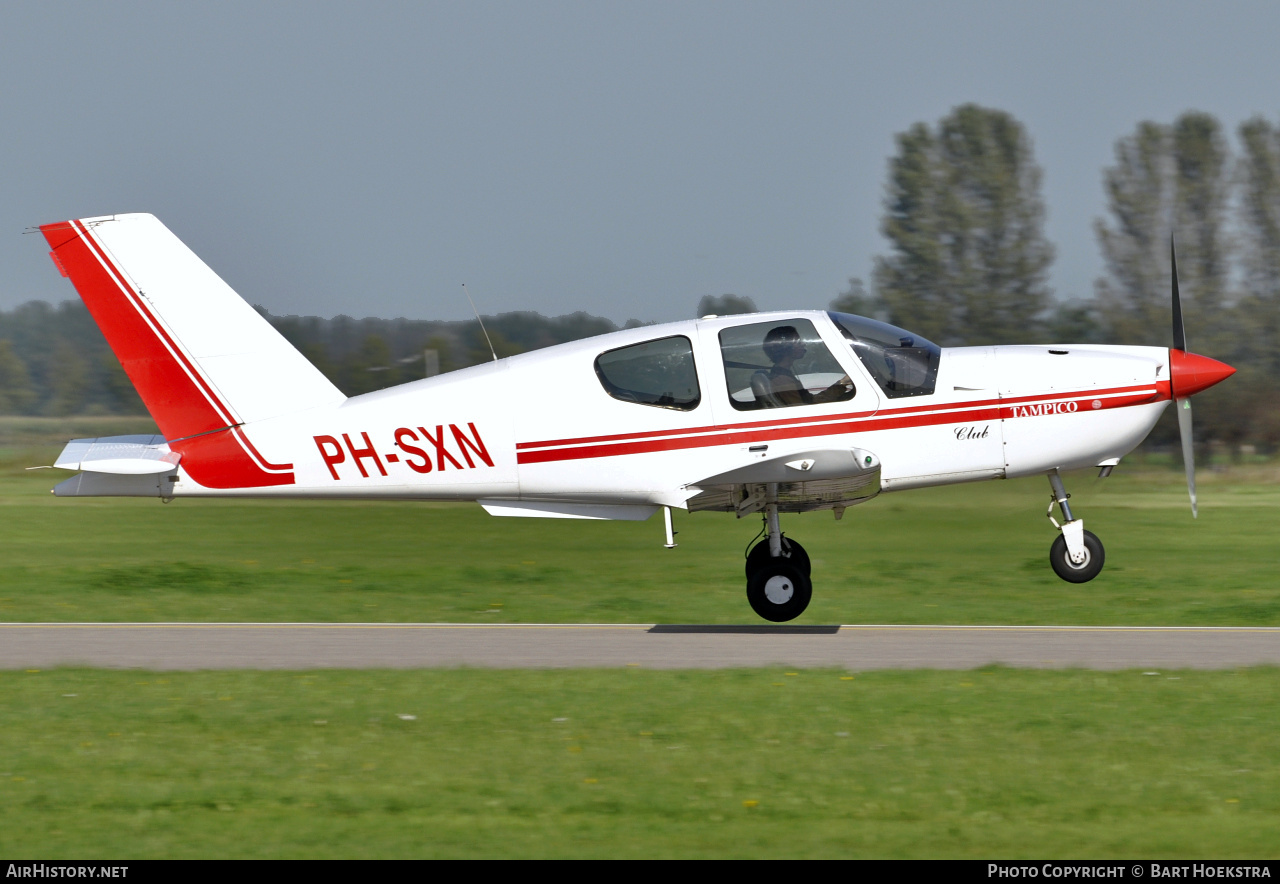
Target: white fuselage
{"x": 541, "y": 427}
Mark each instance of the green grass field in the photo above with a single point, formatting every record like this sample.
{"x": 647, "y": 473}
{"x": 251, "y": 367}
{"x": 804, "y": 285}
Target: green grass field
{"x": 640, "y": 763}
{"x": 964, "y": 554}
{"x": 636, "y": 763}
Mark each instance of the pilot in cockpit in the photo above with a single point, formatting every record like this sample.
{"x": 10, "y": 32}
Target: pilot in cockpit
{"x": 783, "y": 346}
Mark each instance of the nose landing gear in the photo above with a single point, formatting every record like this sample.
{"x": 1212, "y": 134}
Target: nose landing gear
{"x": 778, "y": 585}
{"x": 1077, "y": 555}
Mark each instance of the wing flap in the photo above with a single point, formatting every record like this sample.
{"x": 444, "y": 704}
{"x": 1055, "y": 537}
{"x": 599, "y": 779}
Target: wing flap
{"x": 551, "y": 509}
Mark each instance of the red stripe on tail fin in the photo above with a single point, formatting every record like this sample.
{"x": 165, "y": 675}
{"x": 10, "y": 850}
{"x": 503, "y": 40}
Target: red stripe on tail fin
{"x": 182, "y": 403}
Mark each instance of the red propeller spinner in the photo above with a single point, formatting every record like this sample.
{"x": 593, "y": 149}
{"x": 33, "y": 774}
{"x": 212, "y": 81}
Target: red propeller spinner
{"x": 1192, "y": 373}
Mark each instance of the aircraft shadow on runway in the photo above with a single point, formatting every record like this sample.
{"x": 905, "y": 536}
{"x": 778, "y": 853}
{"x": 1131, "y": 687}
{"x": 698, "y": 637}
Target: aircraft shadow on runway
{"x": 694, "y": 629}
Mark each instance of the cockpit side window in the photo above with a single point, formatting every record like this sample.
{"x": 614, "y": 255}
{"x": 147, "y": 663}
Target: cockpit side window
{"x": 781, "y": 364}
{"x": 660, "y": 373}
{"x": 902, "y": 363}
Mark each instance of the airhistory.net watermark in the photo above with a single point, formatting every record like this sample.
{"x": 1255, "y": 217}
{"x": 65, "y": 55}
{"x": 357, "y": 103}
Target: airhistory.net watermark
{"x": 64, "y": 870}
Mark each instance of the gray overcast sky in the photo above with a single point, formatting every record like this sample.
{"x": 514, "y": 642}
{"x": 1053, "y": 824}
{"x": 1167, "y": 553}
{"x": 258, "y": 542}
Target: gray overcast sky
{"x": 618, "y": 158}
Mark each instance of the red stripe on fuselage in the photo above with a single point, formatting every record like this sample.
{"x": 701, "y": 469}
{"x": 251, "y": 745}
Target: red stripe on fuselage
{"x": 177, "y": 396}
{"x": 830, "y": 418}
{"x": 829, "y": 425}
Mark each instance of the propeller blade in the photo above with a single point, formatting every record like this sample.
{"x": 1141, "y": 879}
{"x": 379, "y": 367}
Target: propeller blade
{"x": 1179, "y": 332}
{"x": 1188, "y": 449}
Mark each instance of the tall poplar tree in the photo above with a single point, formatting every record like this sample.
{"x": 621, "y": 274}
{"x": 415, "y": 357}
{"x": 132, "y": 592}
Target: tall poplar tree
{"x": 1260, "y": 238}
{"x": 1166, "y": 180}
{"x": 1258, "y": 314}
{"x": 965, "y": 220}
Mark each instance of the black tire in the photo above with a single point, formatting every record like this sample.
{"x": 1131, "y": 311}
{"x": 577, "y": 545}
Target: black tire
{"x": 779, "y": 591}
{"x": 1069, "y": 570}
{"x": 792, "y": 552}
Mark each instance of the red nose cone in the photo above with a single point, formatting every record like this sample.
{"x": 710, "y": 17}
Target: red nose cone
{"x": 1192, "y": 373}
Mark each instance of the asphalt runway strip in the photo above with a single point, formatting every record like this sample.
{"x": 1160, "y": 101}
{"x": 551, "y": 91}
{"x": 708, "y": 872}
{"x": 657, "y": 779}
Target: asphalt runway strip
{"x": 179, "y": 646}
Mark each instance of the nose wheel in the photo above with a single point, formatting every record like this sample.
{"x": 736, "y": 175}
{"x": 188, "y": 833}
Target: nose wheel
{"x": 1069, "y": 569}
{"x": 1077, "y": 555}
{"x": 778, "y": 585}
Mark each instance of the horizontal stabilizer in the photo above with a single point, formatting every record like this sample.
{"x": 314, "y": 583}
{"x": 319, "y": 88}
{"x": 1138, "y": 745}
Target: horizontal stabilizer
{"x": 119, "y": 455}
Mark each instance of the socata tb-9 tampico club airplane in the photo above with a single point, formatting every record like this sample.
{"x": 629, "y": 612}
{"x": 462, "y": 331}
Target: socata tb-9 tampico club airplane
{"x": 763, "y": 413}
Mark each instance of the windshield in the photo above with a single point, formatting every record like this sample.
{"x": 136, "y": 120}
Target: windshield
{"x": 902, "y": 363}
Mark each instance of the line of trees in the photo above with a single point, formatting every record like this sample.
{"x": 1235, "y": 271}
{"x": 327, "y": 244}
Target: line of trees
{"x": 362, "y": 355}
{"x": 54, "y": 360}
{"x": 968, "y": 263}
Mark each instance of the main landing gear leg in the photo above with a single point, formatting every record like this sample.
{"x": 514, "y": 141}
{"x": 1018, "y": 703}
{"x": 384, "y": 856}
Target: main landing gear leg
{"x": 778, "y": 585}
{"x": 1076, "y": 555}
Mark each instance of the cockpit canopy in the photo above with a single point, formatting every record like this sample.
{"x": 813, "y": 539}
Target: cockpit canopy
{"x": 902, "y": 363}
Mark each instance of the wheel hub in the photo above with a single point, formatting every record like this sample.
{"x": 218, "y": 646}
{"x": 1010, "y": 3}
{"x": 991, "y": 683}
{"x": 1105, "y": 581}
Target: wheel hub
{"x": 1085, "y": 558}
{"x": 779, "y": 590}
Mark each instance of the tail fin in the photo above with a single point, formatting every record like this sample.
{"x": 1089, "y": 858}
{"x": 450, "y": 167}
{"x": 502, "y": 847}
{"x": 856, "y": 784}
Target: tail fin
{"x": 204, "y": 362}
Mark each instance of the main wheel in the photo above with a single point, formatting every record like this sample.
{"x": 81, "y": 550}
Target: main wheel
{"x": 792, "y": 552}
{"x": 779, "y": 591}
{"x": 1094, "y": 555}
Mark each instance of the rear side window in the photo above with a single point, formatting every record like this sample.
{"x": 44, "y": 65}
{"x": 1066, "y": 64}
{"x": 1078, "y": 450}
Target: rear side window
{"x": 659, "y": 373}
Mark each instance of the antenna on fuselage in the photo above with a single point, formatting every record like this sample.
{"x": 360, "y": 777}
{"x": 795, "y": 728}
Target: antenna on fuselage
{"x": 481, "y": 321}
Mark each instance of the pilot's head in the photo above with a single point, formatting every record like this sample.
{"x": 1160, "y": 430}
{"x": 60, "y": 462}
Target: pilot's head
{"x": 783, "y": 342}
